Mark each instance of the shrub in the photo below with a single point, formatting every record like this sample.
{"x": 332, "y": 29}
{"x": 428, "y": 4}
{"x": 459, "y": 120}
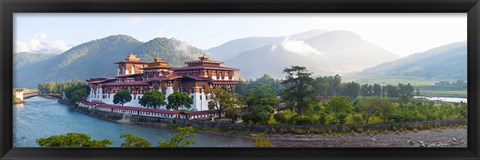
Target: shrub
{"x": 272, "y": 121}
{"x": 283, "y": 131}
{"x": 247, "y": 117}
{"x": 359, "y": 130}
{"x": 299, "y": 131}
{"x": 261, "y": 141}
{"x": 358, "y": 119}
{"x": 314, "y": 130}
{"x": 301, "y": 120}
{"x": 273, "y": 131}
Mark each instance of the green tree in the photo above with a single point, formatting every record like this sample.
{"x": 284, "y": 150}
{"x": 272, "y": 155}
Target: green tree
{"x": 369, "y": 107}
{"x": 377, "y": 90}
{"x": 323, "y": 85}
{"x": 352, "y": 90}
{"x": 77, "y": 93}
{"x": 180, "y": 139}
{"x": 178, "y": 99}
{"x": 261, "y": 95}
{"x": 340, "y": 107}
{"x": 391, "y": 91}
{"x": 72, "y": 139}
{"x": 134, "y": 141}
{"x": 261, "y": 141}
{"x": 299, "y": 92}
{"x": 386, "y": 109}
{"x": 122, "y": 97}
{"x": 233, "y": 114}
{"x": 221, "y": 98}
{"x": 152, "y": 99}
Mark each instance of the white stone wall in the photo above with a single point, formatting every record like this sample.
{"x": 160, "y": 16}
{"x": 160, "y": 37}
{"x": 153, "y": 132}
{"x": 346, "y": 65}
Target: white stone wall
{"x": 19, "y": 95}
{"x": 200, "y": 103}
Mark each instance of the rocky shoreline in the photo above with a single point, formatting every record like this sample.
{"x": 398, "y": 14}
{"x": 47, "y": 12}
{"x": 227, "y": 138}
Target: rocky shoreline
{"x": 455, "y": 137}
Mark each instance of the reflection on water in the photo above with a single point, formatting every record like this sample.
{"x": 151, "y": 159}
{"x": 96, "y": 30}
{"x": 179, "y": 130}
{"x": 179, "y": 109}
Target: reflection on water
{"x": 19, "y": 106}
{"x": 41, "y": 117}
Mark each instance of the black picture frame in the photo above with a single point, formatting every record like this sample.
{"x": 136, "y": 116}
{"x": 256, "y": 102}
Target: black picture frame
{"x": 8, "y": 7}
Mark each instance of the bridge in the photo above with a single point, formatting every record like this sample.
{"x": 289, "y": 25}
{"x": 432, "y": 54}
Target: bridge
{"x": 33, "y": 94}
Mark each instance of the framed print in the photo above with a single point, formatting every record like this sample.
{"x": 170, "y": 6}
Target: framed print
{"x": 239, "y": 79}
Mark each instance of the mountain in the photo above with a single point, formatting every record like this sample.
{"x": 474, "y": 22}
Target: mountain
{"x": 323, "y": 53}
{"x": 25, "y": 58}
{"x": 96, "y": 58}
{"x": 307, "y": 35}
{"x": 234, "y": 47}
{"x": 444, "y": 62}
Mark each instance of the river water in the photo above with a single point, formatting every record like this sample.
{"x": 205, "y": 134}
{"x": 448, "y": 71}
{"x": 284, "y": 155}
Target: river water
{"x": 41, "y": 117}
{"x": 444, "y": 99}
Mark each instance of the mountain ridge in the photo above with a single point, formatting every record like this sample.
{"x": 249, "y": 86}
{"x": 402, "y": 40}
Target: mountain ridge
{"x": 96, "y": 58}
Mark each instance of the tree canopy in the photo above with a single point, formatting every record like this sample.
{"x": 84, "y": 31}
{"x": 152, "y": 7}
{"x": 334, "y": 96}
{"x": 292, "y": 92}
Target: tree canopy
{"x": 181, "y": 138}
{"x": 72, "y": 139}
{"x": 152, "y": 99}
{"x": 299, "y": 91}
{"x": 221, "y": 98}
{"x": 178, "y": 99}
{"x": 134, "y": 141}
{"x": 122, "y": 97}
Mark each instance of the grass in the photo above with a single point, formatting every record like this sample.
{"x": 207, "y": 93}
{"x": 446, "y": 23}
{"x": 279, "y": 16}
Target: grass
{"x": 461, "y": 94}
{"x": 393, "y": 80}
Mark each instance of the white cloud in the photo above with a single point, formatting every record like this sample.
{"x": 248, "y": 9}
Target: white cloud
{"x": 135, "y": 21}
{"x": 299, "y": 47}
{"x": 39, "y": 44}
{"x": 182, "y": 47}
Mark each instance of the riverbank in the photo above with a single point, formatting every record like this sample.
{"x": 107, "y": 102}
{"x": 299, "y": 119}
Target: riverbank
{"x": 446, "y": 137}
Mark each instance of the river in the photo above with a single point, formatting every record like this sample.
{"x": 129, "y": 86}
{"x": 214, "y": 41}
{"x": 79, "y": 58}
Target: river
{"x": 444, "y": 99}
{"x": 41, "y": 117}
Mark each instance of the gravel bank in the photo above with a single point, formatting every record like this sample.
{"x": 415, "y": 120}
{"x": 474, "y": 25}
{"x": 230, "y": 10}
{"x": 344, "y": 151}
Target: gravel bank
{"x": 450, "y": 137}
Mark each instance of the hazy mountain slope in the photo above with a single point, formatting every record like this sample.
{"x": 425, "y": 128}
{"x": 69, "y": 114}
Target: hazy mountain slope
{"x": 171, "y": 50}
{"x": 345, "y": 48}
{"x": 24, "y": 58}
{"x": 96, "y": 58}
{"x": 234, "y": 47}
{"x": 307, "y": 35}
{"x": 329, "y": 53}
{"x": 448, "y": 61}
{"x": 271, "y": 60}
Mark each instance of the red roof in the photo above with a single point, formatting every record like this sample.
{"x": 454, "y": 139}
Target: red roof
{"x": 132, "y": 62}
{"x": 129, "y": 75}
{"x": 134, "y": 83}
{"x": 163, "y": 78}
{"x": 138, "y": 109}
{"x": 194, "y": 113}
{"x": 205, "y": 67}
{"x": 224, "y": 82}
{"x": 198, "y": 78}
{"x": 100, "y": 80}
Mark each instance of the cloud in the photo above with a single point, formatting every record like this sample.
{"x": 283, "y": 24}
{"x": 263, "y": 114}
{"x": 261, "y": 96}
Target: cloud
{"x": 183, "y": 47}
{"x": 135, "y": 21}
{"x": 299, "y": 47}
{"x": 39, "y": 44}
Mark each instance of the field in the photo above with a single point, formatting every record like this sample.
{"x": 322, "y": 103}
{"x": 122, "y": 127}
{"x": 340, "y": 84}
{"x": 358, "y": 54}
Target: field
{"x": 459, "y": 94}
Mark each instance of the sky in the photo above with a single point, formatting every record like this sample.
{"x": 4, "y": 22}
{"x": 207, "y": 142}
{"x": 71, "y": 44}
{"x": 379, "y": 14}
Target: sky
{"x": 400, "y": 33}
